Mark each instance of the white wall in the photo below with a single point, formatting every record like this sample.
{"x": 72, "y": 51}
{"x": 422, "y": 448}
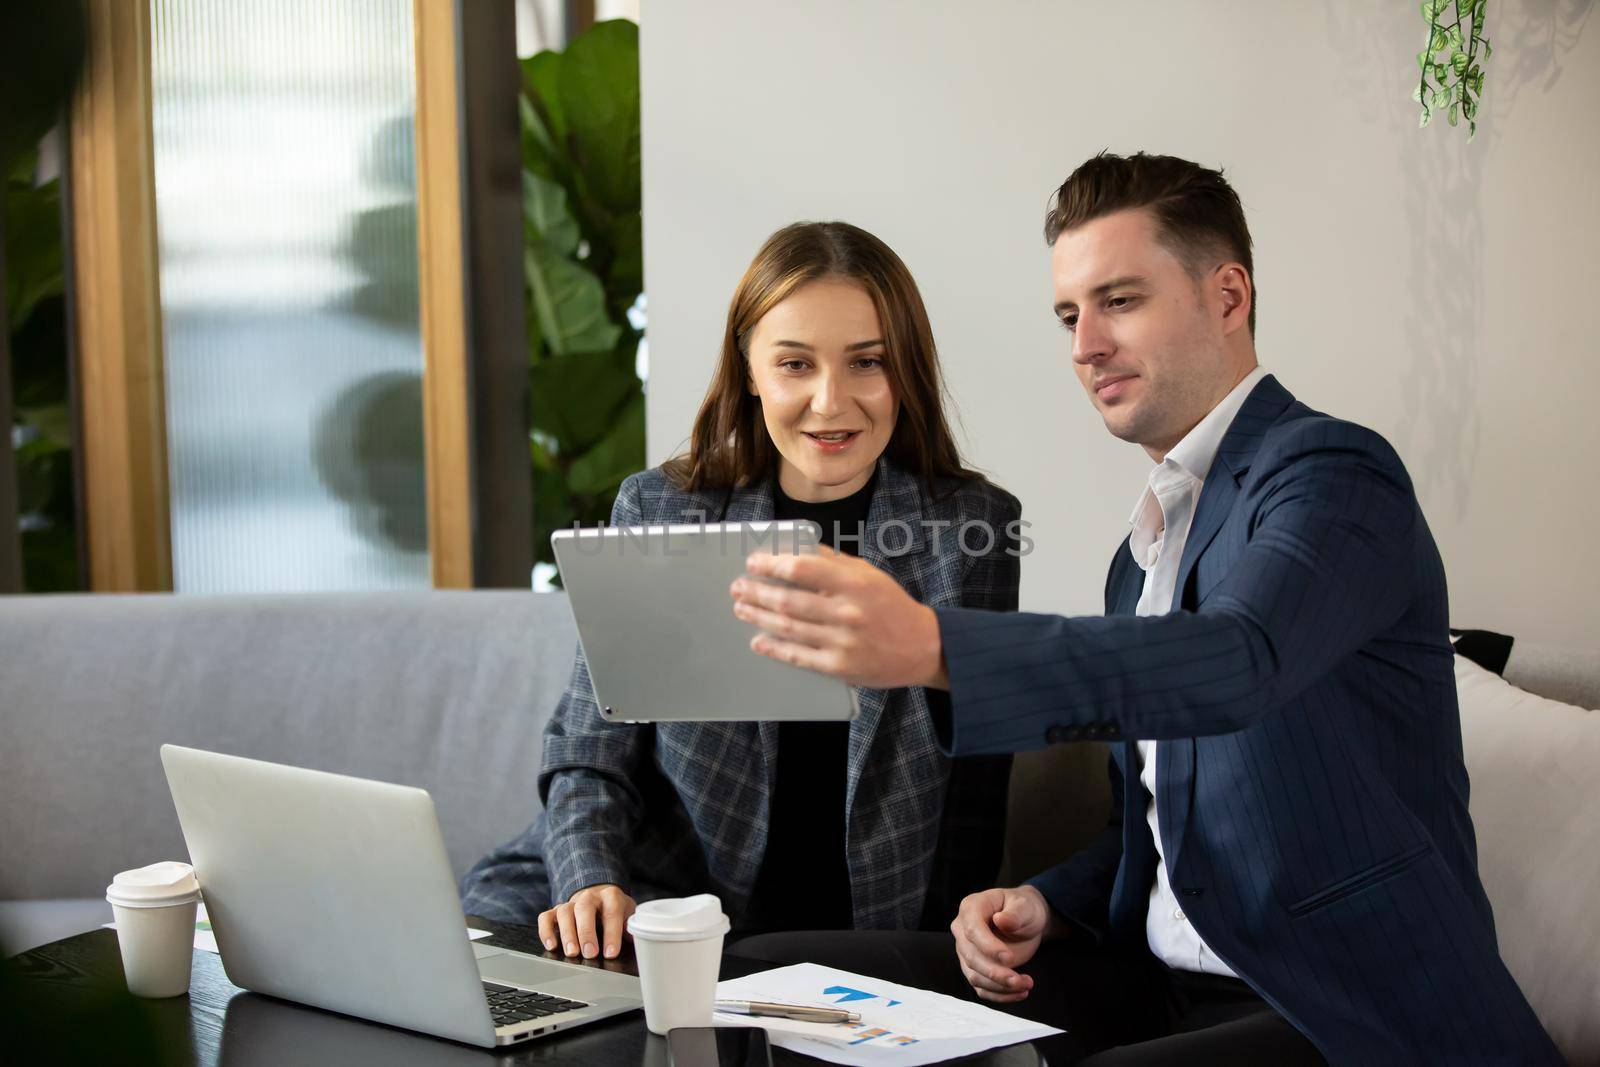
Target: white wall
{"x": 1443, "y": 293}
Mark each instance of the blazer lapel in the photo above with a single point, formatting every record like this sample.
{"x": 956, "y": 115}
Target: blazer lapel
{"x": 894, "y": 541}
{"x": 1221, "y": 489}
{"x": 1124, "y": 600}
{"x": 1175, "y": 759}
{"x": 753, "y": 504}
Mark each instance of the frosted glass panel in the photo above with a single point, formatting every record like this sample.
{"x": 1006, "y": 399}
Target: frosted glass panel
{"x": 286, "y": 202}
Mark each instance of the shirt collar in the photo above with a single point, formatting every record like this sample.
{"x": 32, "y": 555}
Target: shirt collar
{"x": 1195, "y": 453}
{"x": 1188, "y": 462}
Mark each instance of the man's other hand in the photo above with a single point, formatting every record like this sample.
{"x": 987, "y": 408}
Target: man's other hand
{"x": 593, "y": 920}
{"x": 998, "y": 931}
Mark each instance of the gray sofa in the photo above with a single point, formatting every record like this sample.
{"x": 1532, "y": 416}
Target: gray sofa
{"x": 450, "y": 691}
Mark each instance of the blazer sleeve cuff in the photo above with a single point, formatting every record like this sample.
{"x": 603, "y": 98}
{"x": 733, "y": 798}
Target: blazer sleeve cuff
{"x": 956, "y": 627}
{"x": 1084, "y": 910}
{"x": 971, "y": 720}
{"x": 583, "y": 864}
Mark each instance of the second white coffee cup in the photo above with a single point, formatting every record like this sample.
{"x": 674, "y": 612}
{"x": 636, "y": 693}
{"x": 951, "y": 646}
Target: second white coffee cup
{"x": 155, "y": 908}
{"x": 678, "y": 944}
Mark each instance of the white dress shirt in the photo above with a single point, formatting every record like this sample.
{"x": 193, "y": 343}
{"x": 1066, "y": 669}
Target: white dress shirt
{"x": 1161, "y": 522}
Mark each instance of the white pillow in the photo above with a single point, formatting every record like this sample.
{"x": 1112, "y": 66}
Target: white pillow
{"x": 1535, "y": 768}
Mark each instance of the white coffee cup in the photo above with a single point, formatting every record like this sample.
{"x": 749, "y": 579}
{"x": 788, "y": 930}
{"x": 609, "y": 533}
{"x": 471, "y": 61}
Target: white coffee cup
{"x": 155, "y": 908}
{"x": 678, "y": 944}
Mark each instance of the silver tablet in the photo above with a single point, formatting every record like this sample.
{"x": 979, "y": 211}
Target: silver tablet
{"x": 657, "y": 626}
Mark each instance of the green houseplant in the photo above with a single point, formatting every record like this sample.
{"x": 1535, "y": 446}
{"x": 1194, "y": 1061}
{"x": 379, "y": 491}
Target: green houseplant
{"x": 584, "y": 271}
{"x": 41, "y": 421}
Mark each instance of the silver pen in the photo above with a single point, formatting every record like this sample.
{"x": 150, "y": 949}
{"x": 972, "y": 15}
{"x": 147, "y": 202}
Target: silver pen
{"x": 801, "y": 1012}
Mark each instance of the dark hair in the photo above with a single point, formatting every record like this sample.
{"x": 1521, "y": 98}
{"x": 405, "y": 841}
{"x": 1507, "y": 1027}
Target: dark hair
{"x": 1198, "y": 215}
{"x": 730, "y": 447}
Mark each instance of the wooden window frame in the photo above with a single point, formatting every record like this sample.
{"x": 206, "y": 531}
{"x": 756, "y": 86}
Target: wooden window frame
{"x": 469, "y": 242}
{"x": 470, "y": 300}
{"x": 117, "y": 307}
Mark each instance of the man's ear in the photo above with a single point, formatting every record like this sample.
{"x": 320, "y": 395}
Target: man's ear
{"x": 1231, "y": 282}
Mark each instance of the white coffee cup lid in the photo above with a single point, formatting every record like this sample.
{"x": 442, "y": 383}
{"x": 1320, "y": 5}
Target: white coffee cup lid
{"x": 679, "y": 919}
{"x": 155, "y": 886}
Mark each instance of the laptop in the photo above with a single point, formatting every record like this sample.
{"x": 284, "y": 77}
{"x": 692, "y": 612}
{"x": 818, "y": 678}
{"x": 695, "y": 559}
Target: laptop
{"x": 336, "y": 892}
{"x": 657, "y": 628}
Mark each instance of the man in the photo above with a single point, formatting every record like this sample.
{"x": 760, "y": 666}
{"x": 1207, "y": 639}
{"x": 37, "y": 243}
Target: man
{"x": 1290, "y": 872}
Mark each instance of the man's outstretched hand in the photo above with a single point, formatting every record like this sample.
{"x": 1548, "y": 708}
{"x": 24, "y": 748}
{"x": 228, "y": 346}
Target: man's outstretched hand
{"x": 841, "y": 616}
{"x": 997, "y": 931}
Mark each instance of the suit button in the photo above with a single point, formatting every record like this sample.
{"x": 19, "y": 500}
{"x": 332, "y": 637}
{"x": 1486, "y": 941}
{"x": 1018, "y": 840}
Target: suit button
{"x": 1057, "y": 734}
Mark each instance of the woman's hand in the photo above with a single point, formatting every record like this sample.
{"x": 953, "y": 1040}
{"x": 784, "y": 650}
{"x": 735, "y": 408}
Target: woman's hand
{"x": 596, "y": 917}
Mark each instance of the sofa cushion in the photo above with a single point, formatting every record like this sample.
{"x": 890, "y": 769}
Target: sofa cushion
{"x": 1536, "y": 806}
{"x": 444, "y": 690}
{"x": 26, "y": 924}
{"x": 1060, "y": 801}
{"x": 1570, "y": 675}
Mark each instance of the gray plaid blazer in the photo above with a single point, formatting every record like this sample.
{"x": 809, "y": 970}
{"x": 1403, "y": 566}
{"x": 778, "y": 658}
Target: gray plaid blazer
{"x": 672, "y": 809}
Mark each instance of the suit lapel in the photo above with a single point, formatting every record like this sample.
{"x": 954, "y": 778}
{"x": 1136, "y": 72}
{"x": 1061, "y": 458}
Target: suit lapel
{"x": 1217, "y": 497}
{"x": 1128, "y": 584}
{"x": 1123, "y": 599}
{"x": 1221, "y": 489}
{"x": 1175, "y": 759}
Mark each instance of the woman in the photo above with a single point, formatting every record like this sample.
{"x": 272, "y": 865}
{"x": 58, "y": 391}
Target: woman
{"x": 826, "y": 405}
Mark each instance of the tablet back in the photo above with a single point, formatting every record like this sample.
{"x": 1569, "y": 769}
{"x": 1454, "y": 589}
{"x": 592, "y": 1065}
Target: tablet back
{"x": 657, "y": 626}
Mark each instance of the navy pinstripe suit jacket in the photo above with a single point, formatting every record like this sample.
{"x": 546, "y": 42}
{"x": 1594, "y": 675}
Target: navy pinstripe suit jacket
{"x": 1311, "y": 790}
{"x": 677, "y": 808}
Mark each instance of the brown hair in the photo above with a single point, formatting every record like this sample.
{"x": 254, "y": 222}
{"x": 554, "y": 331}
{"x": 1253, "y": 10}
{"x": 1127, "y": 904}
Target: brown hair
{"x": 1198, "y": 215}
{"x": 730, "y": 447}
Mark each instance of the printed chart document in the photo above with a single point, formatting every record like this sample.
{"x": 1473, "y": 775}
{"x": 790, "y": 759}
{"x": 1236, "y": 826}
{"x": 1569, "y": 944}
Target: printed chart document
{"x": 899, "y": 1024}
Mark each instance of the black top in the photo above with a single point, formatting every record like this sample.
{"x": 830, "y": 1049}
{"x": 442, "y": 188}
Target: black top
{"x": 804, "y": 883}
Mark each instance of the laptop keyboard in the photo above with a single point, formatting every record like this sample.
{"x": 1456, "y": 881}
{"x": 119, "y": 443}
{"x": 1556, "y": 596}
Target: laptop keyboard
{"x": 510, "y": 1006}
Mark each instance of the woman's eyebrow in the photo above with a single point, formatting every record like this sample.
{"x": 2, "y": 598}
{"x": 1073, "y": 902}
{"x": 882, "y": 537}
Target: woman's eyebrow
{"x": 802, "y": 346}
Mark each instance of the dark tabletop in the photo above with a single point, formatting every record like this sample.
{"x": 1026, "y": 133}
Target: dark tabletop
{"x": 76, "y": 984}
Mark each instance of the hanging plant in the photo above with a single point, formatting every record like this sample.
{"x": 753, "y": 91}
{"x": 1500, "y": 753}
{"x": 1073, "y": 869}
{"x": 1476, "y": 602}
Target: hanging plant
{"x": 1452, "y": 62}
